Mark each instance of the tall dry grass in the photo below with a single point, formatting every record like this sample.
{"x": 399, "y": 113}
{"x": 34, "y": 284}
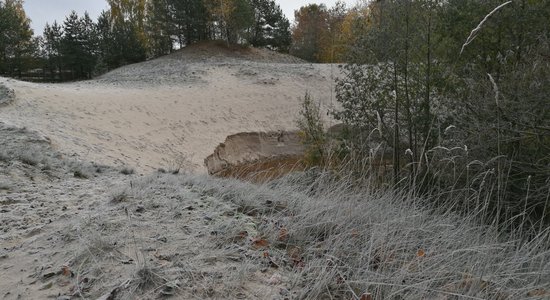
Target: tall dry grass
{"x": 342, "y": 241}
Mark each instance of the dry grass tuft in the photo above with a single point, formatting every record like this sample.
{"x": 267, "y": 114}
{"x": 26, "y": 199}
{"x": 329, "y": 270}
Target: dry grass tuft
{"x": 147, "y": 278}
{"x": 266, "y": 169}
{"x": 120, "y": 195}
{"x": 127, "y": 170}
{"x": 346, "y": 241}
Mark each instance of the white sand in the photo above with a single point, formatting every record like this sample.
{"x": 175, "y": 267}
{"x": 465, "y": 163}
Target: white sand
{"x": 167, "y": 112}
{"x": 171, "y": 112}
{"x": 64, "y": 236}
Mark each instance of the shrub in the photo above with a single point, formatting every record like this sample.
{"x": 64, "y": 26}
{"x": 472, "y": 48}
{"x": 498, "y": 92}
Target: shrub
{"x": 312, "y": 131}
{"x": 127, "y": 171}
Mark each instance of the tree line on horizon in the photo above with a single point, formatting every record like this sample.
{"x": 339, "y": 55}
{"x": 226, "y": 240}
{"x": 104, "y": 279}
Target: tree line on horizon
{"x": 132, "y": 31}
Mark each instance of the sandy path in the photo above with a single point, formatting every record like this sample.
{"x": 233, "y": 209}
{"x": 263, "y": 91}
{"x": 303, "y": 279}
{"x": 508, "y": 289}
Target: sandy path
{"x": 166, "y": 120}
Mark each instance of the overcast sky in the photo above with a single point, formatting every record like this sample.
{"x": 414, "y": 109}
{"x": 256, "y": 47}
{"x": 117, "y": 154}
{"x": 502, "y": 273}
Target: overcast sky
{"x": 42, "y": 11}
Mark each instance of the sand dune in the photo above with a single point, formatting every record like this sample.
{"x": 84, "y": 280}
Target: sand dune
{"x": 170, "y": 111}
{"x": 60, "y": 212}
{"x": 72, "y": 229}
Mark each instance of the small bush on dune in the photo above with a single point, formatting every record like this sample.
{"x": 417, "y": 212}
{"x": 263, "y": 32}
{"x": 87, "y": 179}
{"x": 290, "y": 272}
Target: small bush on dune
{"x": 127, "y": 171}
{"x": 82, "y": 170}
{"x": 118, "y": 196}
{"x": 5, "y": 186}
{"x": 312, "y": 130}
{"x": 146, "y": 278}
{"x": 80, "y": 174}
{"x": 30, "y": 158}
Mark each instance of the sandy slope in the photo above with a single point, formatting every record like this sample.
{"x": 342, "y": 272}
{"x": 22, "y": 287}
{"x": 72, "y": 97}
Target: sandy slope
{"x": 170, "y": 111}
{"x": 74, "y": 230}
{"x": 70, "y": 229}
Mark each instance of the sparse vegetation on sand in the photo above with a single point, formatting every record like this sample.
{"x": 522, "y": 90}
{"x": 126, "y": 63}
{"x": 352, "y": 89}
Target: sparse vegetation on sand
{"x": 7, "y": 95}
{"x": 436, "y": 185}
{"x": 304, "y": 236}
{"x": 342, "y": 243}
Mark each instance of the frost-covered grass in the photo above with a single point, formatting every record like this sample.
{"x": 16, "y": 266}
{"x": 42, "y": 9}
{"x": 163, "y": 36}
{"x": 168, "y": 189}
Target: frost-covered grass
{"x": 304, "y": 236}
{"x": 343, "y": 242}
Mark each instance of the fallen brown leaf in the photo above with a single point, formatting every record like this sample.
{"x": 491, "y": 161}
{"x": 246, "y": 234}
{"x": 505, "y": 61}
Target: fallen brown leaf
{"x": 283, "y": 234}
{"x": 66, "y": 271}
{"x": 366, "y": 296}
{"x": 538, "y": 292}
{"x": 259, "y": 243}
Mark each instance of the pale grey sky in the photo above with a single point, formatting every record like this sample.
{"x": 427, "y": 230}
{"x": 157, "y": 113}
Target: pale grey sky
{"x": 42, "y": 11}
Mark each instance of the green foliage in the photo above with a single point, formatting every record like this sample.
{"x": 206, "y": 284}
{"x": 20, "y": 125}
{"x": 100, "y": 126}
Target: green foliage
{"x": 366, "y": 98}
{"x": 271, "y": 29}
{"x": 471, "y": 117}
{"x": 310, "y": 25}
{"x": 78, "y": 45}
{"x": 52, "y": 38}
{"x": 189, "y": 20}
{"x": 119, "y": 42}
{"x": 131, "y": 31}
{"x": 159, "y": 28}
{"x": 240, "y": 19}
{"x": 132, "y": 12}
{"x": 322, "y": 34}
{"x": 17, "y": 46}
{"x": 312, "y": 131}
{"x": 259, "y": 23}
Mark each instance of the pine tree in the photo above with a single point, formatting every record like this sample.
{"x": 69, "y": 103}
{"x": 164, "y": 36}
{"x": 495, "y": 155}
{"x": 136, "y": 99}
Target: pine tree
{"x": 16, "y": 43}
{"x": 230, "y": 20}
{"x": 89, "y": 38}
{"x": 72, "y": 45}
{"x": 190, "y": 20}
{"x": 332, "y": 45}
{"x": 119, "y": 43}
{"x": 159, "y": 27}
{"x": 79, "y": 45}
{"x": 52, "y": 37}
{"x": 239, "y": 21}
{"x": 271, "y": 28}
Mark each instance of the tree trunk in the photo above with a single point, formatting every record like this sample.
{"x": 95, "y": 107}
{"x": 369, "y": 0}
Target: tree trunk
{"x": 407, "y": 96}
{"x": 427, "y": 100}
{"x": 396, "y": 130}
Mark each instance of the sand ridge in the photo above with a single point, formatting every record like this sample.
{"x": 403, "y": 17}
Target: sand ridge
{"x": 170, "y": 111}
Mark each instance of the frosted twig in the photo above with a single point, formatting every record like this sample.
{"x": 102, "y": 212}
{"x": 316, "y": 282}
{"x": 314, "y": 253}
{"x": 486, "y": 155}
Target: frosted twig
{"x": 474, "y": 32}
{"x": 495, "y": 88}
